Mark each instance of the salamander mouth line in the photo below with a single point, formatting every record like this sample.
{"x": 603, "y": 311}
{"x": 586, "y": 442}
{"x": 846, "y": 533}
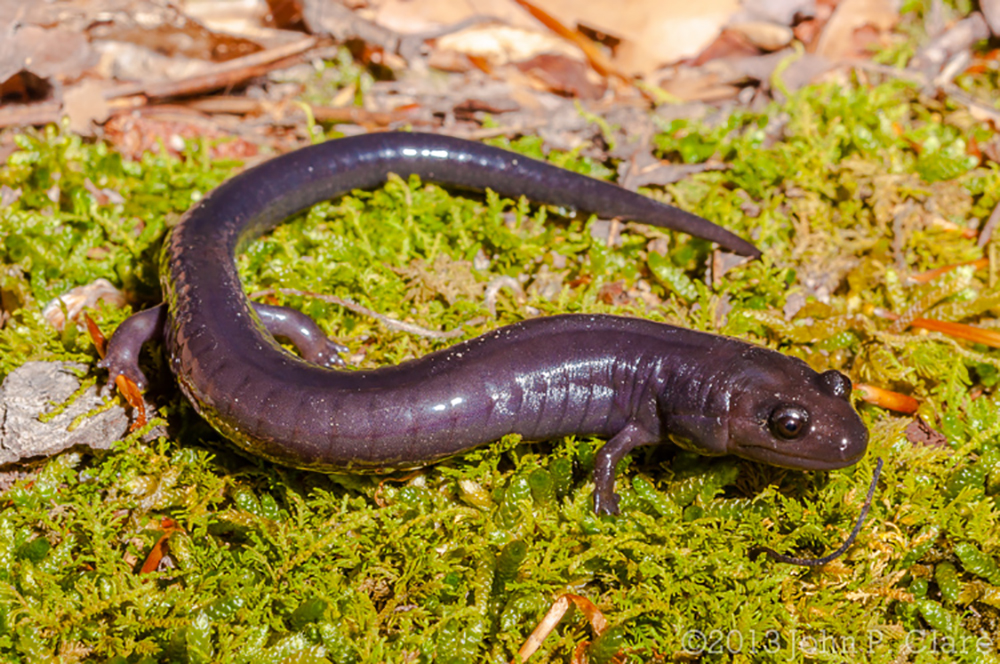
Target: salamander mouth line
{"x": 787, "y": 455}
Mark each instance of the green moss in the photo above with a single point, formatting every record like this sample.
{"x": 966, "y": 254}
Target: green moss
{"x": 840, "y": 186}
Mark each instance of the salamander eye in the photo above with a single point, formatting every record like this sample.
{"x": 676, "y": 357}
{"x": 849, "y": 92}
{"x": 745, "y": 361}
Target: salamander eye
{"x": 836, "y": 383}
{"x": 789, "y": 422}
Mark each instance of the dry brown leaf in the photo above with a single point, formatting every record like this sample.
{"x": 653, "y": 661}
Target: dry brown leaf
{"x": 249, "y": 19}
{"x": 85, "y": 104}
{"x": 501, "y": 44}
{"x": 409, "y": 17}
{"x": 565, "y": 76}
{"x": 919, "y": 432}
{"x": 650, "y": 32}
{"x": 135, "y": 134}
{"x": 695, "y": 85}
{"x": 838, "y": 40}
{"x": 765, "y": 35}
{"x": 58, "y": 53}
{"x": 72, "y": 303}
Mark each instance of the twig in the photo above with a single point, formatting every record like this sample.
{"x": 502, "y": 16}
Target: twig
{"x": 247, "y": 106}
{"x": 391, "y": 323}
{"x": 222, "y": 75}
{"x": 30, "y": 114}
{"x": 819, "y": 562}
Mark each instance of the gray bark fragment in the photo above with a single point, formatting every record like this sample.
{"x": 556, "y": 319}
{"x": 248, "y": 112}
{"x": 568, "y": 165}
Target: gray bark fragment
{"x": 37, "y": 388}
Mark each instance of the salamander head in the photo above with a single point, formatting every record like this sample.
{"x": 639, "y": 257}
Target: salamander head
{"x": 788, "y": 415}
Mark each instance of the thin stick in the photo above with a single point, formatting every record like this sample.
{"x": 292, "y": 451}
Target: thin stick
{"x": 817, "y": 562}
{"x": 390, "y": 323}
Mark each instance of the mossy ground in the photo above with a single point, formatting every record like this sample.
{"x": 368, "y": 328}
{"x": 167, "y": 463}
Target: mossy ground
{"x": 843, "y": 187}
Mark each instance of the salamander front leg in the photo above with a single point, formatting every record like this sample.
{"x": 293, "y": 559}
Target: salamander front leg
{"x": 122, "y": 358}
{"x": 302, "y": 332}
{"x": 626, "y": 440}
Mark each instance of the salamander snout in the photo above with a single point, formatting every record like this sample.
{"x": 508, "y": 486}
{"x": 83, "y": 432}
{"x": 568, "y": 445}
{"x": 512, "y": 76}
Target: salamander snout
{"x": 797, "y": 418}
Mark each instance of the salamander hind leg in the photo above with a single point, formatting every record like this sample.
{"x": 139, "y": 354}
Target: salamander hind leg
{"x": 302, "y": 332}
{"x": 626, "y": 440}
{"x": 122, "y": 358}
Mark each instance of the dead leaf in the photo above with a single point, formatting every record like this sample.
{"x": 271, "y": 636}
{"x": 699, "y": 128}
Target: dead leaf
{"x": 73, "y": 303}
{"x": 501, "y": 44}
{"x": 564, "y": 76}
{"x": 125, "y": 61}
{"x": 182, "y": 36}
{"x": 158, "y": 552}
{"x": 838, "y": 40}
{"x": 765, "y": 35}
{"x": 919, "y": 432}
{"x": 330, "y": 17}
{"x": 85, "y": 105}
{"x": 693, "y": 84}
{"x": 649, "y": 33}
{"x": 134, "y": 134}
{"x": 9, "y": 196}
{"x": 48, "y": 53}
{"x": 729, "y": 44}
{"x": 614, "y": 293}
{"x": 287, "y": 14}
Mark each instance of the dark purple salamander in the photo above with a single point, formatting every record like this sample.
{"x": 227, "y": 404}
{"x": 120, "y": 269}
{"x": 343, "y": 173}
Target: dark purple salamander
{"x": 634, "y": 381}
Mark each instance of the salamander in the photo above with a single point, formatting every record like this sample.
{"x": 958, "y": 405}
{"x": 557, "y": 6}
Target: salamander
{"x": 633, "y": 381}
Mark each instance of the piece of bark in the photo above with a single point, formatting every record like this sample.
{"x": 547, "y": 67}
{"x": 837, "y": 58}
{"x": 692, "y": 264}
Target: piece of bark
{"x": 30, "y": 391}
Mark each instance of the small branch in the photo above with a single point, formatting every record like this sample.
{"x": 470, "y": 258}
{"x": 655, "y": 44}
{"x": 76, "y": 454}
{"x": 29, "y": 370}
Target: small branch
{"x": 390, "y": 323}
{"x": 222, "y": 75}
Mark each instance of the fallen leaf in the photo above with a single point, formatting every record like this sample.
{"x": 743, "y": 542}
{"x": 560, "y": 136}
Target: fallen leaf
{"x": 919, "y": 432}
{"x": 71, "y": 304}
{"x": 649, "y": 33}
{"x": 500, "y": 44}
{"x": 84, "y": 105}
{"x": 135, "y": 134}
{"x": 765, "y": 35}
{"x": 55, "y": 53}
{"x": 838, "y": 41}
{"x": 565, "y": 76}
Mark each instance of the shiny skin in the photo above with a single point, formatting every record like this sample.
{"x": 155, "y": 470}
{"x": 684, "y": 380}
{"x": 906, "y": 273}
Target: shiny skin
{"x": 633, "y": 381}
